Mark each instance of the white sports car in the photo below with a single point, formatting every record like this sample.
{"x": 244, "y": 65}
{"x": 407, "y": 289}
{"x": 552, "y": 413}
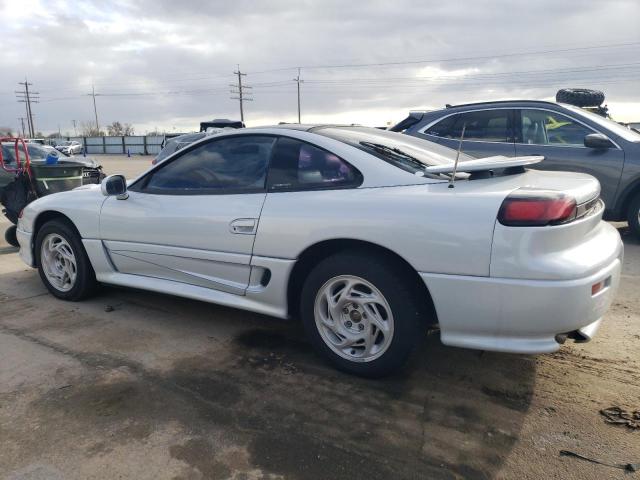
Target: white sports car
{"x": 368, "y": 236}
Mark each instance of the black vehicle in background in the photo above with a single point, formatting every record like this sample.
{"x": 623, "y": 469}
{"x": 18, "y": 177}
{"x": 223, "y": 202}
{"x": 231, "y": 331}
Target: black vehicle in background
{"x": 570, "y": 138}
{"x": 221, "y": 123}
{"x": 173, "y": 144}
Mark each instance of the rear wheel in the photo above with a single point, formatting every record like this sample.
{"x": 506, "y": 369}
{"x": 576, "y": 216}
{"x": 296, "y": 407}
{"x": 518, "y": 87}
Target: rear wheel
{"x": 633, "y": 216}
{"x": 361, "y": 313}
{"x": 63, "y": 263}
{"x": 10, "y": 235}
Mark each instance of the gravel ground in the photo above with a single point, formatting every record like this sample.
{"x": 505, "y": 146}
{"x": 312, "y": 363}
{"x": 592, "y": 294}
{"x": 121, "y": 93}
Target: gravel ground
{"x": 139, "y": 385}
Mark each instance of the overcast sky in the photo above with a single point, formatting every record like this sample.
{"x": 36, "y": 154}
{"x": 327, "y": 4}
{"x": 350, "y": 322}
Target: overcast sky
{"x": 168, "y": 64}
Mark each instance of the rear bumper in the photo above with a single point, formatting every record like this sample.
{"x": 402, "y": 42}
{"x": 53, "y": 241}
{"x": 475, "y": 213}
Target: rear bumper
{"x": 519, "y": 316}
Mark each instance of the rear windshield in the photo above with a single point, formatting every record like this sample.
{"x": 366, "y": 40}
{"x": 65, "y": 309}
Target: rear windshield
{"x": 404, "y": 151}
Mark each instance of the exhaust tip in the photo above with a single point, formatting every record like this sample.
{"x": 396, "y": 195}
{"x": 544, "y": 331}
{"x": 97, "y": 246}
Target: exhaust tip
{"x": 561, "y": 338}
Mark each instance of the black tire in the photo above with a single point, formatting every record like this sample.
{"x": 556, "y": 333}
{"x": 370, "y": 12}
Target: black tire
{"x": 10, "y": 235}
{"x": 398, "y": 290}
{"x": 580, "y": 97}
{"x": 633, "y": 214}
{"x": 85, "y": 283}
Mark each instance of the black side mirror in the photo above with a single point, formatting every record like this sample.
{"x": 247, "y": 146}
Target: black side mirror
{"x": 115, "y": 186}
{"x": 597, "y": 141}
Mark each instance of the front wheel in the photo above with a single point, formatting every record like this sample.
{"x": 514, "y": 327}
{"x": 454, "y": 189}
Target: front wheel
{"x": 633, "y": 216}
{"x": 62, "y": 262}
{"x": 362, "y": 314}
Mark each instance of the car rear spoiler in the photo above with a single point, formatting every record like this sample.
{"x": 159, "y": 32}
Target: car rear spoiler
{"x": 483, "y": 164}
{"x": 412, "y": 119}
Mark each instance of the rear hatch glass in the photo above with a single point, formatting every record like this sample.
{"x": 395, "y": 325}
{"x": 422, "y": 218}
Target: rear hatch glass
{"x": 404, "y": 151}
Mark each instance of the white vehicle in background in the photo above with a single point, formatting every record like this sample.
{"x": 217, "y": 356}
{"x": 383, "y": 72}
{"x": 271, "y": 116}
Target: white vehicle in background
{"x": 366, "y": 235}
{"x": 70, "y": 147}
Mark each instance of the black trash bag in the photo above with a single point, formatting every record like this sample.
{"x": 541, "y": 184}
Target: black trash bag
{"x": 16, "y": 196}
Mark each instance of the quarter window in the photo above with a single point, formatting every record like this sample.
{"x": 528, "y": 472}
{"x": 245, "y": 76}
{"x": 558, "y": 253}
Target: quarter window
{"x": 297, "y": 165}
{"x": 443, "y": 127}
{"x": 227, "y": 165}
{"x": 541, "y": 127}
{"x": 481, "y": 126}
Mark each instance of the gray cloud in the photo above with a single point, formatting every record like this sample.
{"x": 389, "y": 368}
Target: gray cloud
{"x": 170, "y": 63}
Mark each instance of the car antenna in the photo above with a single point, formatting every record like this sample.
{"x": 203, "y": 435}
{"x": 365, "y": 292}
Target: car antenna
{"x": 455, "y": 165}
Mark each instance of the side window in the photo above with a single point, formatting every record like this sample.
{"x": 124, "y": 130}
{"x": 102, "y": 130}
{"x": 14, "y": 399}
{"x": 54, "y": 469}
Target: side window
{"x": 228, "y": 165}
{"x": 482, "y": 126}
{"x": 541, "y": 127}
{"x": 442, "y": 128}
{"x": 297, "y": 165}
{"x": 8, "y": 154}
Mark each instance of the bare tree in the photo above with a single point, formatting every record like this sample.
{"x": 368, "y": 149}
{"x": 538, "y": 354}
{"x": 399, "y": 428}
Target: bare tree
{"x": 117, "y": 129}
{"x": 88, "y": 129}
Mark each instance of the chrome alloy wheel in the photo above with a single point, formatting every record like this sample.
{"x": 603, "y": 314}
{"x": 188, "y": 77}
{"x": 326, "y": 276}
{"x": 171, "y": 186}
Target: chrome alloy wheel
{"x": 58, "y": 262}
{"x": 353, "y": 318}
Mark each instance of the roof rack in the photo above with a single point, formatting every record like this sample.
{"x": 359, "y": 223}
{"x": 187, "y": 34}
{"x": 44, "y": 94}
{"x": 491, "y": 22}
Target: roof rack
{"x": 448, "y": 105}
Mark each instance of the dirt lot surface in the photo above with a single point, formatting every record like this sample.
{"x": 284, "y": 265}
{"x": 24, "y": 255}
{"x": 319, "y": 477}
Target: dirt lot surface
{"x": 145, "y": 386}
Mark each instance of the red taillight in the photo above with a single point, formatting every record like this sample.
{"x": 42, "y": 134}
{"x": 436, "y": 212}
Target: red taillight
{"x": 531, "y": 208}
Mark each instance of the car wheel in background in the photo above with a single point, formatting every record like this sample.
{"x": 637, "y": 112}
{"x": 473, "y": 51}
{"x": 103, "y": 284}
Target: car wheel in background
{"x": 10, "y": 235}
{"x": 361, "y": 313}
{"x": 633, "y": 216}
{"x": 63, "y": 263}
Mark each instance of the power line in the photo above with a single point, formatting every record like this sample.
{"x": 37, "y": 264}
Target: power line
{"x": 241, "y": 92}
{"x": 350, "y": 80}
{"x": 298, "y": 81}
{"x": 95, "y": 108}
{"x": 452, "y": 59}
{"x": 22, "y": 119}
{"x": 27, "y": 98}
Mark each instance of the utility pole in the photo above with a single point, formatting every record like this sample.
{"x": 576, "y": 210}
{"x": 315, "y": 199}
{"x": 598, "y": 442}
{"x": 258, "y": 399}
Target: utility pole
{"x": 298, "y": 81}
{"x": 75, "y": 132}
{"x": 28, "y": 98}
{"x": 95, "y": 109}
{"x": 242, "y": 94}
{"x": 22, "y": 119}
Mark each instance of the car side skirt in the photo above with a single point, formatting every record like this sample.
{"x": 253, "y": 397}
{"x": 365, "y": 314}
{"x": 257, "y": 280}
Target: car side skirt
{"x": 267, "y": 297}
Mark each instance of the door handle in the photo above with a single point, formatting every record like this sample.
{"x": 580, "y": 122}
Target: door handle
{"x": 243, "y": 226}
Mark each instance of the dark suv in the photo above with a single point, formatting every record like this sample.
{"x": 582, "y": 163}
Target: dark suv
{"x": 570, "y": 139}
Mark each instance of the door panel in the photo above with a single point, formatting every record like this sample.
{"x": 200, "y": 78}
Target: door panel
{"x": 193, "y": 218}
{"x": 186, "y": 238}
{"x": 560, "y": 140}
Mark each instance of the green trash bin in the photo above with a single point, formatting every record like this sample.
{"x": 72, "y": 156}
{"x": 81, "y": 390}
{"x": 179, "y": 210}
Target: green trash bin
{"x": 56, "y": 178}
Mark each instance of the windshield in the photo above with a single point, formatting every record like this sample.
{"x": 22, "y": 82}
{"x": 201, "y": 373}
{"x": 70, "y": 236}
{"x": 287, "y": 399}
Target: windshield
{"x": 8, "y": 154}
{"x": 620, "y": 130}
{"x": 404, "y": 151}
{"x": 40, "y": 153}
{"x": 36, "y": 152}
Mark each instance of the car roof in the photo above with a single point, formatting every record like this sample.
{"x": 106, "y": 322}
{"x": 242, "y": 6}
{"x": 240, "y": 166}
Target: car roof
{"x": 306, "y": 127}
{"x": 489, "y": 103}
